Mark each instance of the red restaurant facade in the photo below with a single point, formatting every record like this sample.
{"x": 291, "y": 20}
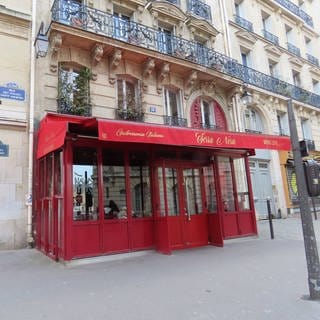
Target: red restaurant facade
{"x": 105, "y": 186}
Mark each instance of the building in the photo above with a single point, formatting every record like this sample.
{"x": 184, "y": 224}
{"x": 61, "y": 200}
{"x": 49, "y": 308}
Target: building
{"x": 15, "y": 39}
{"x": 280, "y": 40}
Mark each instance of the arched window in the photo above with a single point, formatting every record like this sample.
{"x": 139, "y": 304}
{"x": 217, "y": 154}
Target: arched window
{"x": 207, "y": 114}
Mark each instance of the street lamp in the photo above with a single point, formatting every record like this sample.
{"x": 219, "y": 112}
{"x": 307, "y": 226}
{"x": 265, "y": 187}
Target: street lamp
{"x": 310, "y": 243}
{"x": 246, "y": 96}
{"x": 41, "y": 42}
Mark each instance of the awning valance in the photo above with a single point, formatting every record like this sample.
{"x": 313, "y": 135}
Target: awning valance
{"x": 53, "y": 129}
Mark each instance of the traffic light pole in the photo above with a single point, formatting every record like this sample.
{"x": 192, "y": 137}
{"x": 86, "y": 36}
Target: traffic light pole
{"x": 310, "y": 242}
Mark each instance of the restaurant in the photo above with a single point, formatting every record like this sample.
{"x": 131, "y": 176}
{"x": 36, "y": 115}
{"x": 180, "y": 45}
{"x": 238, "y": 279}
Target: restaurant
{"x": 107, "y": 186}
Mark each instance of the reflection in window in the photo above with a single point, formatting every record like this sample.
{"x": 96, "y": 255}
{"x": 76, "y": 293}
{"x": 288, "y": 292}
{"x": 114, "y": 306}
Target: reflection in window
{"x": 85, "y": 184}
{"x": 114, "y": 185}
{"x": 210, "y": 188}
{"x": 226, "y": 184}
{"x": 242, "y": 184}
{"x": 172, "y": 191}
{"x": 162, "y": 210}
{"x": 193, "y": 201}
{"x": 140, "y": 185}
{"x": 58, "y": 172}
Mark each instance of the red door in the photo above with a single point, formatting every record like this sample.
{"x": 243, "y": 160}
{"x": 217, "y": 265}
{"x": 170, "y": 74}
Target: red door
{"x": 182, "y": 201}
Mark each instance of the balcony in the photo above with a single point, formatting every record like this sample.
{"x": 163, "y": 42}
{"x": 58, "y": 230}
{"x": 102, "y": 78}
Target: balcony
{"x": 200, "y": 9}
{"x": 297, "y": 11}
{"x": 244, "y": 23}
{"x": 130, "y": 115}
{"x": 293, "y": 49}
{"x": 174, "y": 121}
{"x": 313, "y": 59}
{"x": 102, "y": 23}
{"x": 271, "y": 37}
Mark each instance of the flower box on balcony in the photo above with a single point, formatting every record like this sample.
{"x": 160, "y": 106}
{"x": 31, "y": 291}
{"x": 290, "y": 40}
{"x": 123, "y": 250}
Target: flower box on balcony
{"x": 130, "y": 114}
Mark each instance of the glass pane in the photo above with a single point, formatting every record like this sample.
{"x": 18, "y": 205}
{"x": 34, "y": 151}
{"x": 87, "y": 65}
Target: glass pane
{"x": 49, "y": 179}
{"x": 242, "y": 184}
{"x": 193, "y": 201}
{"x": 120, "y": 94}
{"x": 162, "y": 210}
{"x": 226, "y": 183}
{"x": 85, "y": 184}
{"x": 130, "y": 95}
{"x": 172, "y": 191}
{"x": 210, "y": 189}
{"x": 173, "y": 103}
{"x": 58, "y": 172}
{"x": 140, "y": 185}
{"x": 114, "y": 185}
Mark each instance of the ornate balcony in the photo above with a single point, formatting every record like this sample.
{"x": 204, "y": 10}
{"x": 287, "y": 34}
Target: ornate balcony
{"x": 244, "y": 23}
{"x": 130, "y": 115}
{"x": 102, "y": 23}
{"x": 174, "y": 121}
{"x": 297, "y": 11}
{"x": 271, "y": 37}
{"x": 293, "y": 49}
{"x": 200, "y": 9}
{"x": 313, "y": 59}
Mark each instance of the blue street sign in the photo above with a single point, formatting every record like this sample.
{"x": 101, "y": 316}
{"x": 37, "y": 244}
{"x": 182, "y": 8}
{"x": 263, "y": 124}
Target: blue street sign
{"x": 12, "y": 93}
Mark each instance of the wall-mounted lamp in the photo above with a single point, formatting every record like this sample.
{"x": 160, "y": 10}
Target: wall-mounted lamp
{"x": 41, "y": 43}
{"x": 246, "y": 96}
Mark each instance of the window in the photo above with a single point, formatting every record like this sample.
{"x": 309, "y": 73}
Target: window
{"x": 306, "y": 129}
{"x": 252, "y": 121}
{"x": 283, "y": 123}
{"x": 308, "y": 45}
{"x": 296, "y": 78}
{"x": 241, "y": 184}
{"x": 128, "y": 94}
{"x": 226, "y": 183}
{"x": 173, "y": 107}
{"x": 121, "y": 25}
{"x": 273, "y": 68}
{"x": 210, "y": 188}
{"x": 165, "y": 40}
{"x": 316, "y": 86}
{"x": 266, "y": 21}
{"x": 85, "y": 184}
{"x": 289, "y": 34}
{"x": 207, "y": 114}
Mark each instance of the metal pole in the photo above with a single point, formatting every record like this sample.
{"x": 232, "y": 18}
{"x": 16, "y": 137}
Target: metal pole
{"x": 310, "y": 243}
{"x": 270, "y": 218}
{"x": 314, "y": 208}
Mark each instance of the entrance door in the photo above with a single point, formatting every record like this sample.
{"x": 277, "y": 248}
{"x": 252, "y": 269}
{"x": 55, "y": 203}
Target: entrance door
{"x": 261, "y": 185}
{"x": 182, "y": 198}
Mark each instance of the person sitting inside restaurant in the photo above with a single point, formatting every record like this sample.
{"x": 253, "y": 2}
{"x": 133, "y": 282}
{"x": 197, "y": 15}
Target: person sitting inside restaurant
{"x": 112, "y": 210}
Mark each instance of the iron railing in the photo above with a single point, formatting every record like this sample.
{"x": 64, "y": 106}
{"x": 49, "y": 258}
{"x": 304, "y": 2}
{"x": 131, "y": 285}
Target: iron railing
{"x": 99, "y": 22}
{"x": 271, "y": 37}
{"x": 297, "y": 11}
{"x": 244, "y": 23}
{"x": 175, "y": 121}
{"x": 130, "y": 115}
{"x": 313, "y": 59}
{"x": 293, "y": 49}
{"x": 200, "y": 9}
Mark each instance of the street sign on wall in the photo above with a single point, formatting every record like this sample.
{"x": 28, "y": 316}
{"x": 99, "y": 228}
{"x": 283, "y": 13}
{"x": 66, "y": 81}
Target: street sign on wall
{"x": 12, "y": 91}
{"x": 4, "y": 150}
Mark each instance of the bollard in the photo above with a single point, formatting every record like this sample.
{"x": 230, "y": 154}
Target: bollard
{"x": 270, "y": 218}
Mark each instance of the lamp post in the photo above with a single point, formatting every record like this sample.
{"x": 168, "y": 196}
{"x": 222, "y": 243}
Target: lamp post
{"x": 310, "y": 243}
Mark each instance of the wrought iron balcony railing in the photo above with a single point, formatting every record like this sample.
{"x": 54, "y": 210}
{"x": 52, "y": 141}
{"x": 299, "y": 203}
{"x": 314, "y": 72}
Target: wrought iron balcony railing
{"x": 174, "y": 121}
{"x": 200, "y": 9}
{"x": 271, "y": 37}
{"x": 313, "y": 59}
{"x": 297, "y": 11}
{"x": 65, "y": 107}
{"x": 130, "y": 115}
{"x": 210, "y": 127}
{"x": 244, "y": 23}
{"x": 293, "y": 49}
{"x": 99, "y": 22}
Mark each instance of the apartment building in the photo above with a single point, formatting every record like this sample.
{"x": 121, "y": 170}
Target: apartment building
{"x": 280, "y": 39}
{"x": 15, "y": 26}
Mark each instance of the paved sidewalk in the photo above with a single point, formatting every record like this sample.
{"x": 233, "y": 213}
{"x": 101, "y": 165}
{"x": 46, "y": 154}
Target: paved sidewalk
{"x": 251, "y": 278}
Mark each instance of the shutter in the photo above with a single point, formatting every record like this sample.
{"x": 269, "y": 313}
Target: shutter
{"x": 221, "y": 122}
{"x": 196, "y": 114}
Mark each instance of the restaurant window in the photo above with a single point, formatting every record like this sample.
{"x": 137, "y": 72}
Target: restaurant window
{"x": 241, "y": 184}
{"x": 172, "y": 191}
{"x": 114, "y": 185}
{"x": 226, "y": 183}
{"x": 210, "y": 189}
{"x": 85, "y": 184}
{"x": 140, "y": 185}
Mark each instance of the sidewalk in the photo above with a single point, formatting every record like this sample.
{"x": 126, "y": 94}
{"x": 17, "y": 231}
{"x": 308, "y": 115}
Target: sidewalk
{"x": 250, "y": 278}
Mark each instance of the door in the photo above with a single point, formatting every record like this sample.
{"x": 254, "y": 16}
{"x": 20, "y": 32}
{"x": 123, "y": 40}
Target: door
{"x": 181, "y": 196}
{"x": 262, "y": 186}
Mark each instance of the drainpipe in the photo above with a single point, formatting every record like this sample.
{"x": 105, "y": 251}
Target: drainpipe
{"x": 30, "y": 239}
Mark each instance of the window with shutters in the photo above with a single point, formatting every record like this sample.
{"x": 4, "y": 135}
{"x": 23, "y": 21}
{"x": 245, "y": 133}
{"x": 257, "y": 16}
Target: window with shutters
{"x": 207, "y": 114}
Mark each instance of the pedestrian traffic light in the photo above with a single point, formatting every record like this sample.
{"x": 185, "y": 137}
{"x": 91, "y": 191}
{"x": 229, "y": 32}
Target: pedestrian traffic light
{"x": 312, "y": 174}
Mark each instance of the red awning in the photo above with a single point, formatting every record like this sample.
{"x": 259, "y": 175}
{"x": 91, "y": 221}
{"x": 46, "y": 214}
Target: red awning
{"x": 53, "y": 128}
